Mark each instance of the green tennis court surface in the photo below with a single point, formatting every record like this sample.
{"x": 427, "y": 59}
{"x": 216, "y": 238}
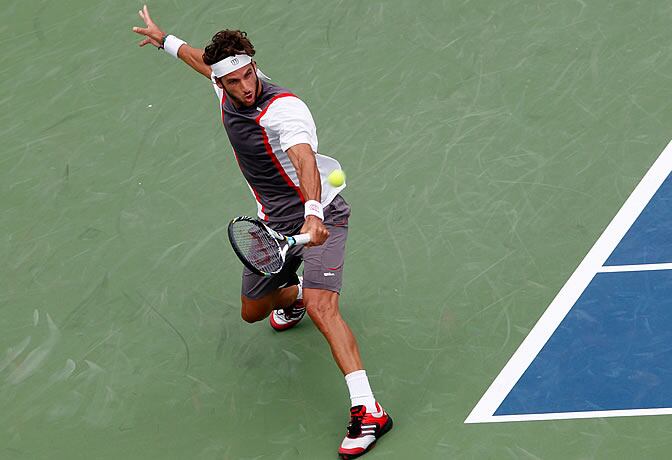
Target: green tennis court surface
{"x": 487, "y": 145}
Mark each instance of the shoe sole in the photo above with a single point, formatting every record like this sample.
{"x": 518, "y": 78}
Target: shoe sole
{"x": 387, "y": 427}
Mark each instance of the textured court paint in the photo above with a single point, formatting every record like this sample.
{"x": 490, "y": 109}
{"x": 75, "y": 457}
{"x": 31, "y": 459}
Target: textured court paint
{"x": 611, "y": 352}
{"x": 501, "y": 136}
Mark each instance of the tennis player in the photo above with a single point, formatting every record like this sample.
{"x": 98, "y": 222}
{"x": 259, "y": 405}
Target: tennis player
{"x": 274, "y": 140}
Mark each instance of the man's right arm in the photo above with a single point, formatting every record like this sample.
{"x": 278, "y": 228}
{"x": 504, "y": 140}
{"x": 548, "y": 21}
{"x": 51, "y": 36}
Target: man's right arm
{"x": 193, "y": 57}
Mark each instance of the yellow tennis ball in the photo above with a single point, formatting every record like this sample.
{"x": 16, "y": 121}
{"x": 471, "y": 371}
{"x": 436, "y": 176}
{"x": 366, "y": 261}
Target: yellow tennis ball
{"x": 336, "y": 177}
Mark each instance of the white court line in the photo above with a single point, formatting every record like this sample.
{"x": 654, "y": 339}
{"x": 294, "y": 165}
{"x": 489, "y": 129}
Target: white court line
{"x": 567, "y": 297}
{"x": 634, "y": 268}
{"x": 575, "y": 415}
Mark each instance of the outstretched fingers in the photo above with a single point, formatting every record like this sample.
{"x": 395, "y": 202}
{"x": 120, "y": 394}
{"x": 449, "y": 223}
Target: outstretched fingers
{"x": 153, "y": 34}
{"x": 144, "y": 14}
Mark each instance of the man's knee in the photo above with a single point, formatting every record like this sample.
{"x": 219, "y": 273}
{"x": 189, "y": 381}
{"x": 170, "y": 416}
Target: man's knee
{"x": 252, "y": 310}
{"x": 248, "y": 317}
{"x": 322, "y": 307}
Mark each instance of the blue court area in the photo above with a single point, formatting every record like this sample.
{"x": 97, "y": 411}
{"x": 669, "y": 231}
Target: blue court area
{"x": 613, "y": 350}
{"x": 649, "y": 240}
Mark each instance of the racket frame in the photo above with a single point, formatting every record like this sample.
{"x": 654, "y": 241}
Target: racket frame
{"x": 279, "y": 238}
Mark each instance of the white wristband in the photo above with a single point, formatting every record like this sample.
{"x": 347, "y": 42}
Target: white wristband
{"x": 172, "y": 44}
{"x": 314, "y": 208}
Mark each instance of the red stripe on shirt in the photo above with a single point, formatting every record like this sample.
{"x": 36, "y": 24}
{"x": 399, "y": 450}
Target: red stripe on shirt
{"x": 222, "y": 107}
{"x": 273, "y": 99}
{"x": 269, "y": 150}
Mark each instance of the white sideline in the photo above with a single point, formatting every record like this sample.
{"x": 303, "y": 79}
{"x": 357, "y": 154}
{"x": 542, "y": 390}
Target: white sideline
{"x": 577, "y": 415}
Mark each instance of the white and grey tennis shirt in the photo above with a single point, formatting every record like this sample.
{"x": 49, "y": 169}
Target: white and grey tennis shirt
{"x": 260, "y": 136}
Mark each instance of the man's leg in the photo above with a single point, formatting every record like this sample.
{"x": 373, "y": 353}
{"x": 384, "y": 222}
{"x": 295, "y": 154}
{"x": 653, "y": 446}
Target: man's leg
{"x": 368, "y": 420}
{"x": 322, "y": 307}
{"x": 253, "y": 310}
{"x": 260, "y": 295}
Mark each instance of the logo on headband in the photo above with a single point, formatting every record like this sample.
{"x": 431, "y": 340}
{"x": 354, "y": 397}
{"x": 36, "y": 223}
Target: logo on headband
{"x": 230, "y": 64}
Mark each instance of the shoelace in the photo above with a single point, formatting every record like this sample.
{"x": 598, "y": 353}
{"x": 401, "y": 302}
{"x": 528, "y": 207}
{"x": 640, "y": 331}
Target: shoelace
{"x": 293, "y": 314}
{"x": 355, "y": 425}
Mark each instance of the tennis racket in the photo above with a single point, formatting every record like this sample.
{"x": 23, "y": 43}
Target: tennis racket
{"x": 260, "y": 248}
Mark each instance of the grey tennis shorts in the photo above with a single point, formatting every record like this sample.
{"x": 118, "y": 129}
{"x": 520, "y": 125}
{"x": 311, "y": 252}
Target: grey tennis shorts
{"x": 322, "y": 265}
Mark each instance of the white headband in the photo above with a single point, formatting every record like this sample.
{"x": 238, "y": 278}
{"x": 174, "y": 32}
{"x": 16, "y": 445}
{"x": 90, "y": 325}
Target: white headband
{"x": 230, "y": 64}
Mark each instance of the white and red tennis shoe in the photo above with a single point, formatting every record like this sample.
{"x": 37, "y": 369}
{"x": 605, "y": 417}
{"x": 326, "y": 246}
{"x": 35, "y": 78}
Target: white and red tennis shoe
{"x": 364, "y": 429}
{"x": 284, "y": 319}
{"x": 287, "y": 318}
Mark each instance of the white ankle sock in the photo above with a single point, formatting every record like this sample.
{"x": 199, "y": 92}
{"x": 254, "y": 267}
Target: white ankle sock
{"x": 360, "y": 390}
{"x": 299, "y": 296}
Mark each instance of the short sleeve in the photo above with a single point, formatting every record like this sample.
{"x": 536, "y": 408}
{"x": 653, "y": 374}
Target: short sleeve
{"x": 290, "y": 120}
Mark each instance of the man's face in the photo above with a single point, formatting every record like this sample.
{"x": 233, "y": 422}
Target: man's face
{"x": 241, "y": 85}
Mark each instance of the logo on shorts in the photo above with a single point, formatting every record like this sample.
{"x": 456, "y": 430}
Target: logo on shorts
{"x": 234, "y": 61}
{"x": 330, "y": 274}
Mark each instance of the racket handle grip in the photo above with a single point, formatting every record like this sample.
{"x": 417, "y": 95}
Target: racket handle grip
{"x": 299, "y": 240}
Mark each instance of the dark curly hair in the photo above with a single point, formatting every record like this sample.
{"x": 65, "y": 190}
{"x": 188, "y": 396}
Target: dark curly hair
{"x": 227, "y": 43}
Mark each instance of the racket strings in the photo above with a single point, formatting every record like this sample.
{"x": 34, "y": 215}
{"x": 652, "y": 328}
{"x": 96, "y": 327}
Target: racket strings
{"x": 257, "y": 246}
